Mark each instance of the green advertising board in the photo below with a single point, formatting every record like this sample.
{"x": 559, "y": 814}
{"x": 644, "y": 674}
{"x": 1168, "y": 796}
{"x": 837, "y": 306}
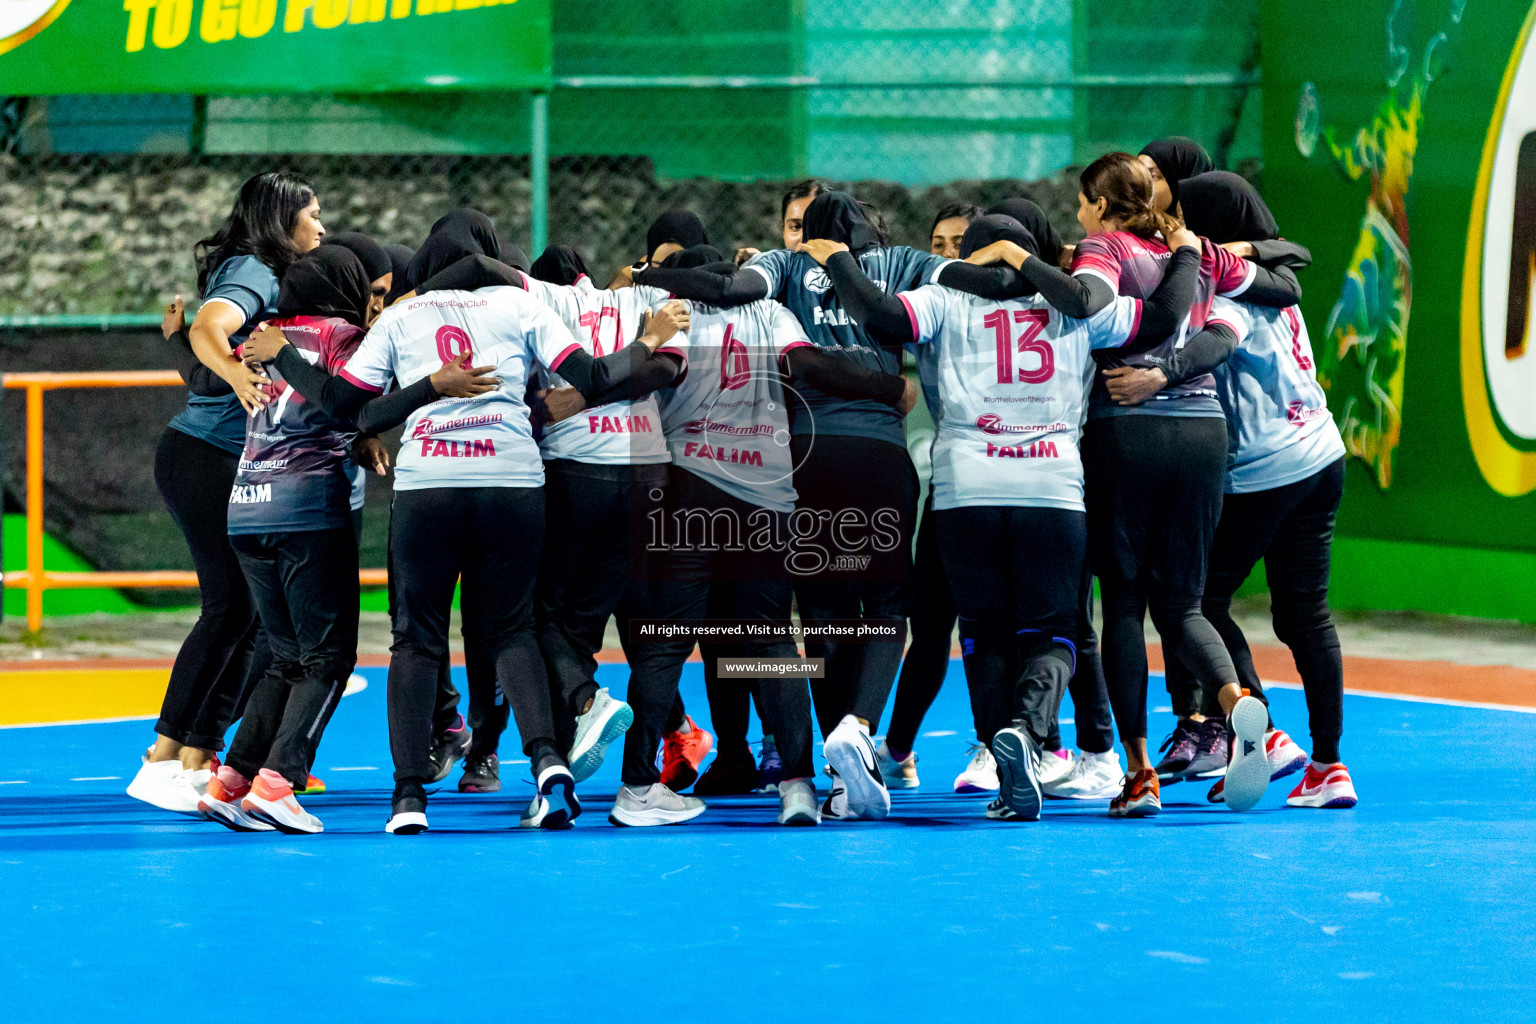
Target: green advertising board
{"x": 53, "y": 47}
{"x": 1400, "y": 146}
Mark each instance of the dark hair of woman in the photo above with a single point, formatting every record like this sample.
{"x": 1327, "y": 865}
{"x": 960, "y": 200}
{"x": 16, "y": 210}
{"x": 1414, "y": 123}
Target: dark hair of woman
{"x": 965, "y": 211}
{"x": 1126, "y": 186}
{"x": 260, "y": 224}
{"x": 809, "y": 188}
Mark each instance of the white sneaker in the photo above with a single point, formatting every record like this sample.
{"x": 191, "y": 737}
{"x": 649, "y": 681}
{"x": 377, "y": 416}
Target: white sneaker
{"x": 1018, "y": 767}
{"x": 653, "y": 805}
{"x": 980, "y": 776}
{"x": 851, "y": 753}
{"x": 605, "y": 721}
{"x": 797, "y": 803}
{"x": 1055, "y": 765}
{"x": 1248, "y": 770}
{"x": 1093, "y": 777}
{"x": 165, "y": 785}
{"x": 897, "y": 774}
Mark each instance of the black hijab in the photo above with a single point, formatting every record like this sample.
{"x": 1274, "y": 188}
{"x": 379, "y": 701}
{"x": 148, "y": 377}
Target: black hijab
{"x": 1033, "y": 219}
{"x": 1178, "y": 158}
{"x": 678, "y": 226}
{"x": 560, "y": 264}
{"x": 327, "y": 281}
{"x": 703, "y": 257}
{"x": 997, "y": 227}
{"x": 376, "y": 261}
{"x": 1223, "y": 207}
{"x": 400, "y": 262}
{"x": 463, "y": 232}
{"x": 838, "y": 217}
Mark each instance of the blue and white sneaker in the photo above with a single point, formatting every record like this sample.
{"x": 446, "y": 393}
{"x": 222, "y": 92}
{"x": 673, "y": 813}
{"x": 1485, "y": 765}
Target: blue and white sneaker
{"x": 605, "y": 721}
{"x": 1018, "y": 772}
{"x": 555, "y": 804}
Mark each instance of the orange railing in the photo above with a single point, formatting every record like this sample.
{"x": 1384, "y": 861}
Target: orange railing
{"x": 34, "y": 578}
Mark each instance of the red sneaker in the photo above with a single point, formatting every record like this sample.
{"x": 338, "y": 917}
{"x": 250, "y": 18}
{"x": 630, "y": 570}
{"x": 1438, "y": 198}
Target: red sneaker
{"x": 1324, "y": 785}
{"x": 681, "y": 755}
{"x": 1283, "y": 753}
{"x": 220, "y": 802}
{"x": 1140, "y": 797}
{"x": 271, "y": 800}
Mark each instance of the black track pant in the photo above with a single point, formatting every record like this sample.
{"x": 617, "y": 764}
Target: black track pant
{"x": 213, "y": 673}
{"x": 305, "y": 586}
{"x": 933, "y": 627}
{"x": 1153, "y": 488}
{"x": 855, "y": 516}
{"x": 596, "y": 529}
{"x": 491, "y": 538}
{"x": 1291, "y": 529}
{"x": 692, "y": 580}
{"x": 1090, "y": 694}
{"x": 1017, "y": 576}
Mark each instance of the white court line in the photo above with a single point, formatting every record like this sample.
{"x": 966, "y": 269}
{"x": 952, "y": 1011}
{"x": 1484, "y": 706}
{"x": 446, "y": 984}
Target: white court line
{"x": 96, "y": 778}
{"x": 359, "y": 768}
{"x": 1410, "y": 698}
{"x": 14, "y": 782}
{"x": 82, "y": 721}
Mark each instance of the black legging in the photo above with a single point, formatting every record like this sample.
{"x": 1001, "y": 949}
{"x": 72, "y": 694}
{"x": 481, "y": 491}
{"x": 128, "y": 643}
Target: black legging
{"x": 1291, "y": 529}
{"x": 933, "y": 627}
{"x": 491, "y": 537}
{"x": 1090, "y": 693}
{"x": 1017, "y": 576}
{"x": 845, "y": 483}
{"x": 1153, "y": 488}
{"x": 686, "y": 582}
{"x": 305, "y": 585}
{"x": 215, "y": 668}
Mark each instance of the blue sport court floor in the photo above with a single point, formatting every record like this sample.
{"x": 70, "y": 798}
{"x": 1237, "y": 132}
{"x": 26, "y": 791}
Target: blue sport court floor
{"x": 1415, "y": 906}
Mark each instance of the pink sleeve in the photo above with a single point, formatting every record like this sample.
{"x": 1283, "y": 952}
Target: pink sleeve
{"x": 339, "y": 347}
{"x": 1231, "y": 273}
{"x": 1099, "y": 257}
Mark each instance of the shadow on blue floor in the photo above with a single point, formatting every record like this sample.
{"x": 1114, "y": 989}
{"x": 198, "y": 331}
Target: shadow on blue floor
{"x": 1415, "y": 906}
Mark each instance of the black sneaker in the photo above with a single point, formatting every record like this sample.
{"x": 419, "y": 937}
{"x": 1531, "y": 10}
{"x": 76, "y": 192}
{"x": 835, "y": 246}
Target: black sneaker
{"x": 408, "y": 816}
{"x": 1213, "y": 749}
{"x": 482, "y": 774}
{"x": 732, "y": 773}
{"x": 1181, "y": 746}
{"x": 448, "y": 749}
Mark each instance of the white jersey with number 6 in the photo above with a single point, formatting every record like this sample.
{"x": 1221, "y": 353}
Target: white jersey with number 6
{"x": 617, "y": 433}
{"x": 1013, "y": 377}
{"x": 1279, "y": 428}
{"x": 728, "y": 420}
{"x": 485, "y": 441}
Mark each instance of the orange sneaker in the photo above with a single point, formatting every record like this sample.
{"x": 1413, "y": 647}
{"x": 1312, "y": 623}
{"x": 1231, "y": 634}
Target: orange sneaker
{"x": 220, "y": 802}
{"x": 1140, "y": 797}
{"x": 271, "y": 800}
{"x": 681, "y": 755}
{"x": 313, "y": 786}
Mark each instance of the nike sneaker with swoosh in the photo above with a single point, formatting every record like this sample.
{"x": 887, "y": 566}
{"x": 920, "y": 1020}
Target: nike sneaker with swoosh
{"x": 1324, "y": 785}
{"x": 852, "y": 754}
{"x": 271, "y": 800}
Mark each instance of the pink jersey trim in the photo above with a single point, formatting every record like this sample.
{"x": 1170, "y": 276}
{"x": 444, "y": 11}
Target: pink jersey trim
{"x": 664, "y": 350}
{"x": 344, "y": 375}
{"x": 787, "y": 349}
{"x": 1135, "y": 325}
{"x": 555, "y": 366}
{"x": 1224, "y": 323}
{"x": 911, "y": 317}
{"x": 1113, "y": 282}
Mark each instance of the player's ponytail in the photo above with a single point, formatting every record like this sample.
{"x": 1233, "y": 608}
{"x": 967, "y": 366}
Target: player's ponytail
{"x": 1125, "y": 185}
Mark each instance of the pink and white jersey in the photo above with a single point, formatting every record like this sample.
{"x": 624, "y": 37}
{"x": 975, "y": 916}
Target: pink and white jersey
{"x": 484, "y": 441}
{"x": 1013, "y": 377}
{"x": 1278, "y": 421}
{"x": 728, "y": 420}
{"x": 603, "y": 322}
